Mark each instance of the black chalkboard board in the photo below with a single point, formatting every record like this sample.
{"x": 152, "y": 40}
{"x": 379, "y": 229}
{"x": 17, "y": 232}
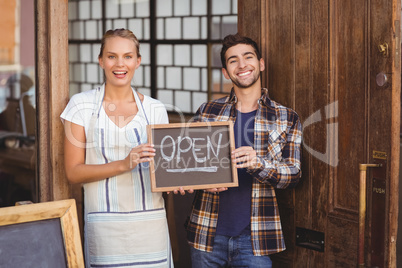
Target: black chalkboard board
{"x": 192, "y": 156}
{"x": 24, "y": 245}
{"x": 40, "y": 235}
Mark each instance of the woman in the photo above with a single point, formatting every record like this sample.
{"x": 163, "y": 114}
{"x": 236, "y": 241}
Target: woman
{"x": 106, "y": 149}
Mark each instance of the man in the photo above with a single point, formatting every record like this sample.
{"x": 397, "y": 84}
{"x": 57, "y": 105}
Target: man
{"x": 240, "y": 226}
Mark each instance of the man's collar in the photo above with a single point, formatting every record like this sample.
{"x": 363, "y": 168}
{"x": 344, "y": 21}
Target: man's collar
{"x": 264, "y": 99}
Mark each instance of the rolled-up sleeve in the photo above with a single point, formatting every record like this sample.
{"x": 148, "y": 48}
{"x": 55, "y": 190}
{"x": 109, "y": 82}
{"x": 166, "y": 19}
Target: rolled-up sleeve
{"x": 281, "y": 166}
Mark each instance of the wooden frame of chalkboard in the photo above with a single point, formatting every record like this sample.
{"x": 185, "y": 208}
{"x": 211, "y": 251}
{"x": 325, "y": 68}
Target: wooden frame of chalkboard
{"x": 18, "y": 223}
{"x": 192, "y": 155}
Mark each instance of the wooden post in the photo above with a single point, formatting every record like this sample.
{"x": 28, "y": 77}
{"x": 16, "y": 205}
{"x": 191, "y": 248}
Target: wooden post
{"x": 52, "y": 92}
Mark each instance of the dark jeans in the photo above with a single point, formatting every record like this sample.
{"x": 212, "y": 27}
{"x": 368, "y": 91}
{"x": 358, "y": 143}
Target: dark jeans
{"x": 229, "y": 251}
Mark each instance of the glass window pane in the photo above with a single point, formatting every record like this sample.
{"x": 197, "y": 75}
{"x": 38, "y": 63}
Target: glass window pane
{"x": 181, "y": 7}
{"x": 199, "y": 7}
{"x": 126, "y": 9}
{"x": 72, "y": 10}
{"x": 145, "y": 54}
{"x": 101, "y": 76}
{"x": 86, "y": 87}
{"x": 173, "y": 28}
{"x": 198, "y": 99}
{"x": 142, "y": 9}
{"x": 112, "y": 9}
{"x": 160, "y": 28}
{"x": 100, "y": 29}
{"x": 145, "y": 91}
{"x": 216, "y": 80}
{"x": 173, "y": 78}
{"x": 221, "y": 7}
{"x": 161, "y": 77}
{"x": 73, "y": 53}
{"x": 78, "y": 30}
{"x": 191, "y": 28}
{"x": 216, "y": 27}
{"x": 95, "y": 52}
{"x": 204, "y": 28}
{"x": 204, "y": 79}
{"x": 78, "y": 72}
{"x": 85, "y": 53}
{"x": 147, "y": 34}
{"x": 163, "y": 8}
{"x": 182, "y": 101}
{"x": 182, "y": 55}
{"x": 192, "y": 79}
{"x": 138, "y": 77}
{"x": 199, "y": 55}
{"x": 83, "y": 10}
{"x": 234, "y": 6}
{"x": 135, "y": 26}
{"x": 164, "y": 55}
{"x": 96, "y": 9}
{"x": 216, "y": 55}
{"x": 119, "y": 24}
{"x": 92, "y": 73}
{"x": 147, "y": 76}
{"x": 229, "y": 25}
{"x": 166, "y": 96}
{"x": 90, "y": 29}
{"x": 74, "y": 88}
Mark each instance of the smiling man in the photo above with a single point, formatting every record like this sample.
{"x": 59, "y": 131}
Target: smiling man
{"x": 240, "y": 227}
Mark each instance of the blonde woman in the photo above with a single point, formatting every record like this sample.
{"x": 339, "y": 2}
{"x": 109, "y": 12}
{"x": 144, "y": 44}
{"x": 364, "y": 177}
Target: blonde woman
{"x": 106, "y": 149}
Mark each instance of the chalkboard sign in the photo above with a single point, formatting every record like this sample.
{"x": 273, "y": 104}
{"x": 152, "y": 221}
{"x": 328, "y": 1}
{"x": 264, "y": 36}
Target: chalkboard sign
{"x": 40, "y": 235}
{"x": 192, "y": 156}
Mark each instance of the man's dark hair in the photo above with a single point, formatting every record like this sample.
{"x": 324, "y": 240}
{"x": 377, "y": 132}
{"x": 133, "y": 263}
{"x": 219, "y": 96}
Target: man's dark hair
{"x": 235, "y": 39}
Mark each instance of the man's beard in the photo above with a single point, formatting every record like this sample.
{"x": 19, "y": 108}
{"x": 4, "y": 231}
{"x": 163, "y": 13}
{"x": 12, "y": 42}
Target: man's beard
{"x": 241, "y": 85}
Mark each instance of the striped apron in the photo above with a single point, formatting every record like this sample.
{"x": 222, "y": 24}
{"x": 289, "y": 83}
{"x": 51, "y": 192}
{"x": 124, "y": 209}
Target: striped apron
{"x": 125, "y": 223}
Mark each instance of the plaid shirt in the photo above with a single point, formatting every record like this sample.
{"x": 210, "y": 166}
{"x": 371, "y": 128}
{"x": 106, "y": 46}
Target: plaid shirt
{"x": 277, "y": 141}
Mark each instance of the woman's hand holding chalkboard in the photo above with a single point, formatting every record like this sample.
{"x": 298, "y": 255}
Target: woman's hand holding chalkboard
{"x": 140, "y": 154}
{"x": 244, "y": 157}
{"x": 182, "y": 191}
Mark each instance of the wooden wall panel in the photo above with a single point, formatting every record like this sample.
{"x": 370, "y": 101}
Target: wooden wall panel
{"x": 247, "y": 24}
{"x": 340, "y": 246}
{"x": 348, "y": 79}
{"x": 280, "y": 51}
{"x": 303, "y": 95}
{"x": 384, "y": 113}
{"x": 319, "y": 99}
{"x": 322, "y": 60}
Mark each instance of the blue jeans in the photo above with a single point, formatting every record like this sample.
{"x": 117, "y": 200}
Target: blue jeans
{"x": 235, "y": 251}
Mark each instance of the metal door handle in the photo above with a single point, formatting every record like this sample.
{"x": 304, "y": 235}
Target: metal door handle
{"x": 362, "y": 208}
{"x": 383, "y": 49}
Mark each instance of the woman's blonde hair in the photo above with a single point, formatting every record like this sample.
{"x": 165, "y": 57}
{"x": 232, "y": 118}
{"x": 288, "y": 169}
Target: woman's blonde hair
{"x": 124, "y": 33}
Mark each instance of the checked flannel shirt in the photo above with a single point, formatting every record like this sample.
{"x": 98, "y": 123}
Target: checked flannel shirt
{"x": 277, "y": 141}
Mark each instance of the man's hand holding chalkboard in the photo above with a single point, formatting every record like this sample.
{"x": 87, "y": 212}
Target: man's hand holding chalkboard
{"x": 140, "y": 154}
{"x": 244, "y": 157}
{"x": 182, "y": 191}
{"x": 190, "y": 191}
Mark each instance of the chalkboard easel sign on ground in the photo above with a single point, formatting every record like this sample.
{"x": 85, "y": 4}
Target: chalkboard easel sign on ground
{"x": 40, "y": 235}
{"x": 192, "y": 156}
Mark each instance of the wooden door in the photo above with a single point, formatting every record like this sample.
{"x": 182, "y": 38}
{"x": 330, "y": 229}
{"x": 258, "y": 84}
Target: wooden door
{"x": 323, "y": 60}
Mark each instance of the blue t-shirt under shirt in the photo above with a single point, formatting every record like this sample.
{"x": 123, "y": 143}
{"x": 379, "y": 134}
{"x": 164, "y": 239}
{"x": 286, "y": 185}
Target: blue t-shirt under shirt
{"x": 235, "y": 203}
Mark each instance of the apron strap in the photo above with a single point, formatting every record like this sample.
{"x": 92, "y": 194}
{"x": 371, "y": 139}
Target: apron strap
{"x": 138, "y": 100}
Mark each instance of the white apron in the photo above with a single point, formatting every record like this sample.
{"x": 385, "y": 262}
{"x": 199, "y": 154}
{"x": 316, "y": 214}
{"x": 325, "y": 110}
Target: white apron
{"x": 125, "y": 223}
